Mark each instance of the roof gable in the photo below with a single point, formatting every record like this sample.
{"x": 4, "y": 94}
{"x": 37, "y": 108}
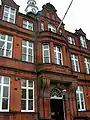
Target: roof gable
{"x": 80, "y": 32}
{"x": 10, "y": 3}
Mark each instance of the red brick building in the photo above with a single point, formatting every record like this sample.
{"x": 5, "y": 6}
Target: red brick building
{"x": 44, "y": 73}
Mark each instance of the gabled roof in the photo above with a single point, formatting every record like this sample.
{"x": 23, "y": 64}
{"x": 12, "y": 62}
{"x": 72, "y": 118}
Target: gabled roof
{"x": 80, "y": 32}
{"x": 10, "y": 3}
{"x": 50, "y": 7}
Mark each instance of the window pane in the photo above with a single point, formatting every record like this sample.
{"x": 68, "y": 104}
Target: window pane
{"x": 82, "y": 105}
{"x": 78, "y": 105}
{"x": 24, "y": 50}
{"x": 30, "y": 58}
{"x": 24, "y": 42}
{"x": 23, "y": 104}
{"x": 0, "y": 79}
{"x": 30, "y": 104}
{"x": 9, "y": 38}
{"x": 46, "y": 60}
{"x": 23, "y": 57}
{"x": 5, "y": 91}
{"x": 6, "y": 8}
{"x": 8, "y": 53}
{"x": 12, "y": 11}
{"x": 6, "y": 80}
{"x": 46, "y": 46}
{"x": 24, "y": 93}
{"x": 30, "y": 83}
{"x": 30, "y": 94}
{"x": 30, "y": 51}
{"x": 46, "y": 53}
{"x": 0, "y": 91}
{"x": 8, "y": 45}
{"x": 1, "y": 52}
{"x": 2, "y": 43}
{"x": 2, "y": 36}
{"x": 30, "y": 44}
{"x": 4, "y": 103}
{"x": 23, "y": 83}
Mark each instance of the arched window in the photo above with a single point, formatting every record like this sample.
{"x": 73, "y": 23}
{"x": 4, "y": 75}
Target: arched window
{"x": 56, "y": 93}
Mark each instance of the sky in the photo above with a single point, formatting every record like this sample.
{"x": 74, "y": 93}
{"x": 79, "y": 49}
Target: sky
{"x": 77, "y": 17}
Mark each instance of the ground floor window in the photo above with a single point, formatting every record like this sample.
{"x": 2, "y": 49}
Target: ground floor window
{"x": 27, "y": 102}
{"x": 4, "y": 93}
{"x": 80, "y": 99}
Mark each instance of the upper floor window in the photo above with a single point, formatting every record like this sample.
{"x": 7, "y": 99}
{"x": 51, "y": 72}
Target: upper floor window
{"x": 83, "y": 42}
{"x": 6, "y": 45}
{"x": 27, "y": 51}
{"x": 57, "y": 55}
{"x": 71, "y": 40}
{"x": 4, "y": 93}
{"x": 27, "y": 101}
{"x": 87, "y": 65}
{"x": 46, "y": 53}
{"x": 75, "y": 63}
{"x": 42, "y": 26}
{"x": 51, "y": 28}
{"x": 9, "y": 14}
{"x": 80, "y": 98}
{"x": 27, "y": 25}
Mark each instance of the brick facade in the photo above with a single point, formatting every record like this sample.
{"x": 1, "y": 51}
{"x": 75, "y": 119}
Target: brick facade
{"x": 46, "y": 76}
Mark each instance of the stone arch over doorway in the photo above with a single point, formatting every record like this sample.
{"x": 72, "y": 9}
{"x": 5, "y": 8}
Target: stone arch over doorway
{"x": 56, "y": 93}
{"x": 56, "y": 104}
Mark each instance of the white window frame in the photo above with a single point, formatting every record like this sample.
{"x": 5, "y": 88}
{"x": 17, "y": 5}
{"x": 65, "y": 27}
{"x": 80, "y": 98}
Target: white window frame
{"x": 27, "y": 47}
{"x": 4, "y": 39}
{"x": 2, "y": 85}
{"x": 71, "y": 40}
{"x": 46, "y": 49}
{"x": 9, "y": 14}
{"x": 57, "y": 53}
{"x": 51, "y": 28}
{"x": 28, "y": 88}
{"x": 75, "y": 63}
{"x": 87, "y": 65}
{"x": 80, "y": 100}
{"x": 83, "y": 41}
{"x": 27, "y": 24}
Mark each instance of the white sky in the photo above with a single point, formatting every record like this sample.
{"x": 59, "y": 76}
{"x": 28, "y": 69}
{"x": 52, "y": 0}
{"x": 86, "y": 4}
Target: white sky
{"x": 78, "y": 15}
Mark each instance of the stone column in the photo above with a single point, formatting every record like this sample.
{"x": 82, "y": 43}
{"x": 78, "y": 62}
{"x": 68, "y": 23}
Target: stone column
{"x": 71, "y": 101}
{"x": 65, "y": 56}
{"x": 52, "y": 52}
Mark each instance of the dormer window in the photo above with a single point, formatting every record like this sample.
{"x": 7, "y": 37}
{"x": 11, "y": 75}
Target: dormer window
{"x": 83, "y": 41}
{"x": 71, "y": 40}
{"x": 51, "y": 28}
{"x": 9, "y": 14}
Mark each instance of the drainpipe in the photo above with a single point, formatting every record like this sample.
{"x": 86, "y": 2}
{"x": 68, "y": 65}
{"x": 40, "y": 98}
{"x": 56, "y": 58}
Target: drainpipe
{"x": 36, "y": 66}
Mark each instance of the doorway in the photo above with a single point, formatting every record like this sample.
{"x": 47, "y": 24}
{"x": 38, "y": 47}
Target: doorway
{"x": 57, "y": 111}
